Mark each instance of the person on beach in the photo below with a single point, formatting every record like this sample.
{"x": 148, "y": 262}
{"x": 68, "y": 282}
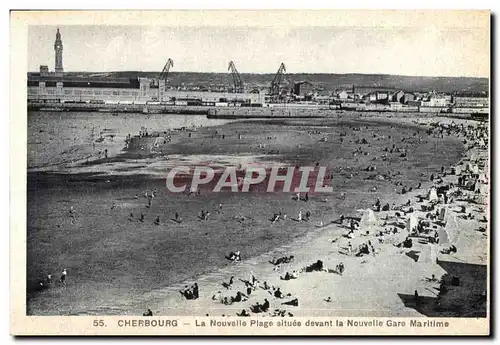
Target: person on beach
{"x": 243, "y": 313}
{"x": 62, "y": 280}
{"x": 148, "y": 312}
{"x": 49, "y": 279}
{"x": 275, "y": 218}
{"x": 217, "y": 296}
{"x": 196, "y": 293}
{"x": 340, "y": 268}
{"x": 72, "y": 214}
{"x": 142, "y": 218}
{"x": 417, "y": 298}
{"x": 157, "y": 220}
{"x": 278, "y": 293}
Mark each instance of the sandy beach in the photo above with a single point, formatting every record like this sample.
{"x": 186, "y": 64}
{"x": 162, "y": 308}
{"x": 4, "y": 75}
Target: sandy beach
{"x": 118, "y": 265}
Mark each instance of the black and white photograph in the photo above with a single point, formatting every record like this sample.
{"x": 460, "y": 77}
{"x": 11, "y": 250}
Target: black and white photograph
{"x": 263, "y": 175}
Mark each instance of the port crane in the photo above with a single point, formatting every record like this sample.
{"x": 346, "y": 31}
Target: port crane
{"x": 274, "y": 90}
{"x": 238, "y": 83}
{"x": 164, "y": 73}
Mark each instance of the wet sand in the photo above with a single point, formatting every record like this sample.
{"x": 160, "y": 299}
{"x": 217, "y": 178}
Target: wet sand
{"x": 119, "y": 266}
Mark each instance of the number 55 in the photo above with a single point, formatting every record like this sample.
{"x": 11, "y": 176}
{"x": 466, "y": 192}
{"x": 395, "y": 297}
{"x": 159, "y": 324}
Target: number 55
{"x": 98, "y": 323}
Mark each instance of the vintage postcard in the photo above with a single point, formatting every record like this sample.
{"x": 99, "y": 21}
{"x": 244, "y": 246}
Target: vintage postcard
{"x": 250, "y": 172}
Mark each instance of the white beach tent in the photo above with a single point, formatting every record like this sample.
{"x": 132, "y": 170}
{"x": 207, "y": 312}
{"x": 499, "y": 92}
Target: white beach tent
{"x": 428, "y": 255}
{"x": 483, "y": 194}
{"x": 368, "y": 218}
{"x": 411, "y": 223}
{"x": 443, "y": 237}
{"x": 450, "y": 232}
{"x": 483, "y": 178}
{"x": 432, "y": 195}
{"x": 475, "y": 169}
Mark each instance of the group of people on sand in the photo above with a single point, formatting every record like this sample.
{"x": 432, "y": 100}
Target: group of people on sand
{"x": 251, "y": 286}
{"x": 190, "y": 292}
{"x": 48, "y": 281}
{"x": 234, "y": 256}
{"x": 282, "y": 260}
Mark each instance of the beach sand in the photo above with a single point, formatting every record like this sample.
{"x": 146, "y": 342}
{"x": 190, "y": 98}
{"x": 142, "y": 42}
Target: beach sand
{"x": 117, "y": 266}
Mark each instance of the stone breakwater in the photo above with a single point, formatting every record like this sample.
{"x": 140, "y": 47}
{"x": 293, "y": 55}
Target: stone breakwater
{"x": 228, "y": 112}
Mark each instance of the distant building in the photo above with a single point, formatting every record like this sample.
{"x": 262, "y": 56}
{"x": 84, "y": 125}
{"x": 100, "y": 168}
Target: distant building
{"x": 398, "y": 96}
{"x": 44, "y": 70}
{"x": 303, "y": 89}
{"x": 471, "y": 102}
{"x": 381, "y": 95}
{"x": 372, "y": 97}
{"x": 438, "y": 101}
{"x": 343, "y": 95}
{"x": 408, "y": 97}
{"x": 58, "y": 48}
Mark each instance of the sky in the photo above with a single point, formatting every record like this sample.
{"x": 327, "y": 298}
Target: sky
{"x": 415, "y": 51}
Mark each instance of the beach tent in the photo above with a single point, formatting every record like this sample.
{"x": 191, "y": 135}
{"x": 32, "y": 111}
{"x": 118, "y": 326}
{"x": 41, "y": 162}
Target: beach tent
{"x": 428, "y": 255}
{"x": 450, "y": 232}
{"x": 411, "y": 223}
{"x": 368, "y": 218}
{"x": 475, "y": 169}
{"x": 458, "y": 170}
{"x": 482, "y": 143}
{"x": 432, "y": 195}
{"x": 444, "y": 240}
{"x": 482, "y": 178}
{"x": 483, "y": 194}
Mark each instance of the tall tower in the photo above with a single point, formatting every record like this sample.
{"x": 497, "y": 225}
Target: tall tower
{"x": 58, "y": 47}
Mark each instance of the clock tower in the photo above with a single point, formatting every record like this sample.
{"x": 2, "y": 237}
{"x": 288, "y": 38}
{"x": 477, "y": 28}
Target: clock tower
{"x": 58, "y": 47}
